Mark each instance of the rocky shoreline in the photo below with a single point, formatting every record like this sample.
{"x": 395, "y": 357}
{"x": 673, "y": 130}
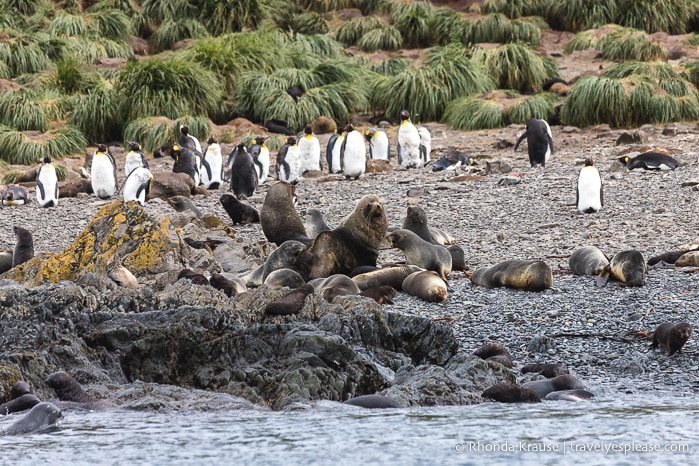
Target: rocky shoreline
{"x": 573, "y": 322}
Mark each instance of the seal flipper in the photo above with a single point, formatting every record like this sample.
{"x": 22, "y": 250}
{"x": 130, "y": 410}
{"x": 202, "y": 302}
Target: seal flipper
{"x": 603, "y": 277}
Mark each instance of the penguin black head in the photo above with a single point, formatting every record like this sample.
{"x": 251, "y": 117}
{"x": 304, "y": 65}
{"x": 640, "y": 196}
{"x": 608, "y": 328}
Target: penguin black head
{"x": 101, "y": 148}
{"x": 241, "y": 147}
{"x": 348, "y": 128}
{"x": 261, "y": 140}
{"x": 624, "y": 159}
{"x": 589, "y": 163}
{"x": 296, "y": 91}
{"x": 291, "y": 140}
{"x": 47, "y": 159}
{"x": 308, "y": 129}
{"x": 134, "y": 145}
{"x": 404, "y": 115}
{"x": 212, "y": 140}
{"x": 369, "y": 133}
{"x": 184, "y": 129}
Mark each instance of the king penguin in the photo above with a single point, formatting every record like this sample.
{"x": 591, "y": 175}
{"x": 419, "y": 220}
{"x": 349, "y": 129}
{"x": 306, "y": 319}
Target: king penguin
{"x": 309, "y": 151}
{"x": 539, "y": 141}
{"x": 353, "y": 153}
{"x": 190, "y": 142}
{"x": 103, "y": 173}
{"x": 243, "y": 174}
{"x": 47, "y": 184}
{"x": 260, "y": 155}
{"x": 408, "y": 143}
{"x": 650, "y": 161}
{"x": 589, "y": 198}
{"x": 212, "y": 165}
{"x": 134, "y": 158}
{"x": 185, "y": 162}
{"x": 425, "y": 144}
{"x": 288, "y": 161}
{"x": 379, "y": 146}
{"x": 332, "y": 152}
{"x": 137, "y": 185}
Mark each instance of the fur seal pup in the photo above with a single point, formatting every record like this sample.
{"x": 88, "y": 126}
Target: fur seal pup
{"x": 67, "y": 388}
{"x": 408, "y": 146}
{"x": 381, "y": 294}
{"x": 185, "y": 162}
{"x": 426, "y": 285}
{"x": 42, "y": 416}
{"x": 505, "y": 392}
{"x": 335, "y": 285}
{"x": 650, "y": 161}
{"x": 425, "y": 145}
{"x": 47, "y": 184}
{"x": 260, "y": 156}
{"x": 494, "y": 352}
{"x": 421, "y": 253}
{"x": 315, "y": 223}
{"x": 19, "y": 404}
{"x": 243, "y": 175}
{"x": 211, "y": 172}
{"x": 120, "y": 274}
{"x": 451, "y": 160}
{"x": 24, "y": 246}
{"x": 291, "y": 303}
{"x": 458, "y": 258}
{"x": 523, "y": 274}
{"x": 688, "y": 259}
{"x": 15, "y": 195}
{"x": 209, "y": 244}
{"x": 284, "y": 256}
{"x": 239, "y": 212}
{"x": 135, "y": 158}
{"x": 562, "y": 382}
{"x": 284, "y": 278}
{"x": 671, "y": 337}
{"x": 587, "y": 260}
{"x": 416, "y": 221}
{"x": 392, "y": 276}
{"x": 20, "y": 388}
{"x": 309, "y": 151}
{"x": 589, "y": 196}
{"x": 539, "y": 141}
{"x": 375, "y": 401}
{"x": 183, "y": 204}
{"x": 192, "y": 276}
{"x": 288, "y": 164}
{"x": 354, "y": 242}
{"x": 379, "y": 145}
{"x": 224, "y": 284}
{"x": 627, "y": 267}
{"x": 569, "y": 395}
{"x": 353, "y": 153}
{"x": 548, "y": 370}
{"x": 279, "y": 219}
{"x": 137, "y": 185}
{"x": 5, "y": 261}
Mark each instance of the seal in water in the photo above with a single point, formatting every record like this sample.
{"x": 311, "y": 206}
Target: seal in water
{"x": 548, "y": 370}
{"x": 671, "y": 337}
{"x": 506, "y": 392}
{"x": 278, "y": 217}
{"x": 426, "y": 285}
{"x": 67, "y": 388}
{"x": 588, "y": 260}
{"x": 522, "y": 274}
{"x": 569, "y": 395}
{"x": 562, "y": 382}
{"x": 375, "y": 401}
{"x": 41, "y": 417}
{"x": 19, "y": 404}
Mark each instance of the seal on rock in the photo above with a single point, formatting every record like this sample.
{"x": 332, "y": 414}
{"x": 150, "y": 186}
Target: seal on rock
{"x": 192, "y": 276}
{"x": 392, "y": 276}
{"x": 278, "y": 217}
{"x": 523, "y": 274}
{"x": 284, "y": 278}
{"x": 184, "y": 204}
{"x": 67, "y": 388}
{"x": 627, "y": 267}
{"x": 239, "y": 212}
{"x": 587, "y": 260}
{"x": 422, "y": 253}
{"x": 291, "y": 303}
{"x": 19, "y": 404}
{"x": 335, "y": 285}
{"x": 494, "y": 352}
{"x": 354, "y": 242}
{"x": 381, "y": 294}
{"x": 506, "y": 392}
{"x": 562, "y": 382}
{"x": 548, "y": 370}
{"x": 24, "y": 246}
{"x": 120, "y": 274}
{"x": 285, "y": 255}
{"x": 41, "y": 417}
{"x": 229, "y": 286}
{"x": 426, "y": 285}
{"x": 671, "y": 337}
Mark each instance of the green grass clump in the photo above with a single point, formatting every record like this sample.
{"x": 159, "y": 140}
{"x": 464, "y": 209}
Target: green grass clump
{"x": 27, "y": 109}
{"x": 516, "y": 8}
{"x": 151, "y": 133}
{"x": 515, "y": 66}
{"x": 498, "y": 28}
{"x": 656, "y": 69}
{"x": 629, "y": 44}
{"x": 447, "y": 26}
{"x": 671, "y": 16}
{"x": 172, "y": 31}
{"x": 472, "y": 113}
{"x": 27, "y": 148}
{"x": 388, "y": 38}
{"x": 536, "y": 106}
{"x": 412, "y": 19}
{"x": 353, "y": 30}
{"x": 309, "y": 23}
{"x": 391, "y": 66}
{"x": 593, "y": 100}
{"x": 96, "y": 113}
{"x": 579, "y": 15}
{"x": 226, "y": 16}
{"x": 26, "y": 56}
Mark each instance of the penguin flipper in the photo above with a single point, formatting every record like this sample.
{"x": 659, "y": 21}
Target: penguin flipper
{"x": 206, "y": 165}
{"x": 577, "y": 197}
{"x": 388, "y": 151}
{"x": 144, "y": 160}
{"x": 521, "y": 138}
{"x": 259, "y": 166}
{"x": 601, "y": 195}
{"x": 549, "y": 140}
{"x": 40, "y": 185}
{"x": 400, "y": 156}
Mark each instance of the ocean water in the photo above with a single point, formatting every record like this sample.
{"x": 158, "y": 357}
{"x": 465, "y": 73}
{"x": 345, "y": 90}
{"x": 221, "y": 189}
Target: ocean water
{"x": 658, "y": 429}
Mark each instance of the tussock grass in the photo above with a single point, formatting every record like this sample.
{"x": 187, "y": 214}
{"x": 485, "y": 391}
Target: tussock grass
{"x": 649, "y": 103}
{"x": 350, "y": 32}
{"x": 592, "y": 100}
{"x": 535, "y": 106}
{"x": 324, "y": 6}
{"x": 225, "y": 16}
{"x": 579, "y": 15}
{"x": 391, "y": 66}
{"x": 309, "y": 23}
{"x": 27, "y": 148}
{"x": 110, "y": 22}
{"x": 317, "y": 45}
{"x": 159, "y": 11}
{"x": 26, "y": 57}
{"x": 388, "y": 38}
{"x": 151, "y": 133}
{"x": 656, "y": 69}
{"x": 671, "y": 16}
{"x": 516, "y": 8}
{"x": 171, "y": 31}
{"x": 447, "y": 26}
{"x": 471, "y": 113}
{"x": 515, "y": 66}
{"x": 629, "y": 44}
{"x": 96, "y": 113}
{"x": 27, "y": 109}
{"x": 66, "y": 24}
{"x": 412, "y": 19}
{"x": 498, "y": 28}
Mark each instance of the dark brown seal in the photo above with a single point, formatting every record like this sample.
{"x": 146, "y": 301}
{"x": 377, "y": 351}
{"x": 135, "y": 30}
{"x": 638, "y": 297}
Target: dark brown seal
{"x": 335, "y": 285}
{"x": 627, "y": 267}
{"x": 68, "y": 389}
{"x": 279, "y": 219}
{"x": 671, "y": 337}
{"x": 239, "y": 212}
{"x": 426, "y": 285}
{"x": 422, "y": 253}
{"x": 522, "y": 274}
{"x": 381, "y": 294}
{"x": 353, "y": 243}
{"x": 20, "y": 388}
{"x": 24, "y": 246}
{"x": 222, "y": 283}
{"x": 194, "y": 277}
{"x": 458, "y": 258}
{"x": 21, "y": 403}
{"x": 547, "y": 370}
{"x": 494, "y": 352}
{"x": 506, "y": 392}
{"x": 416, "y": 221}
{"x": 375, "y": 401}
{"x": 290, "y": 304}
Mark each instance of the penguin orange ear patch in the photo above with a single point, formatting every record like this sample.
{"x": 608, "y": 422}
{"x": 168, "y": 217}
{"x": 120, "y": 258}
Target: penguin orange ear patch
{"x": 175, "y": 147}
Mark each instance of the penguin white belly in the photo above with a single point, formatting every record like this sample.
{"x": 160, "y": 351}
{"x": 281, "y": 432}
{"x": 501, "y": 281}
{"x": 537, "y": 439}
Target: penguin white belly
{"x": 133, "y": 161}
{"x": 263, "y": 159}
{"x": 409, "y": 141}
{"x": 103, "y": 181}
{"x": 354, "y": 159}
{"x": 337, "y": 148}
{"x": 309, "y": 153}
{"x": 425, "y": 144}
{"x": 379, "y": 146}
{"x": 47, "y": 193}
{"x": 137, "y": 185}
{"x": 589, "y": 190}
{"x": 214, "y": 160}
{"x": 292, "y": 158}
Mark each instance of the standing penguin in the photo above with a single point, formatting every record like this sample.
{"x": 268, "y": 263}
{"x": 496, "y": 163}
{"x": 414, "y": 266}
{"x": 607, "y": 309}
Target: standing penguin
{"x": 212, "y": 165}
{"x": 260, "y": 155}
{"x": 190, "y": 142}
{"x": 353, "y": 153}
{"x": 589, "y": 197}
{"x": 288, "y": 161}
{"x": 134, "y": 158}
{"x": 408, "y": 143}
{"x": 539, "y": 141}
{"x": 379, "y": 146}
{"x": 243, "y": 174}
{"x": 137, "y": 185}
{"x": 185, "y": 162}
{"x": 103, "y": 173}
{"x": 47, "y": 184}
{"x": 309, "y": 151}
{"x": 332, "y": 152}
{"x": 425, "y": 144}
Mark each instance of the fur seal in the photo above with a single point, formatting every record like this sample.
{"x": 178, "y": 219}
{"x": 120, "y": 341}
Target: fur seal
{"x": 458, "y": 258}
{"x": 5, "y": 261}
{"x": 67, "y": 388}
{"x": 229, "y": 286}
{"x": 381, "y": 294}
{"x": 416, "y": 221}
{"x": 688, "y": 259}
{"x": 392, "y": 276}
{"x": 421, "y": 253}
{"x": 587, "y": 260}
{"x": 20, "y": 388}
{"x": 24, "y": 246}
{"x": 539, "y": 141}
{"x": 192, "y": 276}
{"x": 41, "y": 417}
{"x": 494, "y": 352}
{"x": 47, "y": 184}
{"x": 244, "y": 178}
{"x": 20, "y": 403}
{"x": 184, "y": 204}
{"x": 426, "y": 285}
{"x": 408, "y": 147}
{"x": 315, "y": 223}
{"x": 671, "y": 337}
{"x": 650, "y": 161}
{"x": 291, "y": 303}
{"x": 627, "y": 267}
{"x": 548, "y": 370}
{"x": 353, "y": 243}
{"x": 569, "y": 395}
{"x": 120, "y": 274}
{"x": 506, "y": 392}
{"x": 562, "y": 382}
{"x": 239, "y": 212}
{"x": 335, "y": 285}
{"x": 589, "y": 196}
{"x": 15, "y": 195}
{"x": 285, "y": 255}
{"x": 278, "y": 217}
{"x": 282, "y": 278}
{"x": 669, "y": 257}
{"x": 375, "y": 401}
{"x": 522, "y": 274}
